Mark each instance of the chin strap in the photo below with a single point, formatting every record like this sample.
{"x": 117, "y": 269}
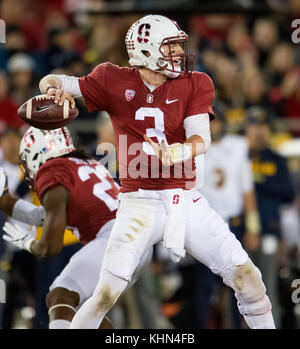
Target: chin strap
{"x": 171, "y": 74}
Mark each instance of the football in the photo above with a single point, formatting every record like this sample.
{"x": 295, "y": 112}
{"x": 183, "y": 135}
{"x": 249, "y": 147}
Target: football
{"x": 41, "y": 112}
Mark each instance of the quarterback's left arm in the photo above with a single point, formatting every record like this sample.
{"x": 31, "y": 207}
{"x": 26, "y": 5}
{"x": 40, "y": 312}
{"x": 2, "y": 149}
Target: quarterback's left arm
{"x": 198, "y": 114}
{"x": 196, "y": 124}
{"x": 197, "y": 131}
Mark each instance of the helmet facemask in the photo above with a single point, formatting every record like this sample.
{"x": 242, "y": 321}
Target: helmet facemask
{"x": 175, "y": 64}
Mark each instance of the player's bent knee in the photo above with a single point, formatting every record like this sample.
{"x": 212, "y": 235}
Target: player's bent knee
{"x": 60, "y": 295}
{"x": 248, "y": 282}
{"x": 123, "y": 270}
{"x": 250, "y": 290}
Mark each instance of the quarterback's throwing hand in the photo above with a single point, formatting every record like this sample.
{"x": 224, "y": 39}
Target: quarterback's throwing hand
{"x": 18, "y": 236}
{"x": 60, "y": 96}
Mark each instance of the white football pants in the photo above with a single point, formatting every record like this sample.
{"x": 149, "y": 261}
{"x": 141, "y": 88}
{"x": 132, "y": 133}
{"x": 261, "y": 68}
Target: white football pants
{"x": 140, "y": 224}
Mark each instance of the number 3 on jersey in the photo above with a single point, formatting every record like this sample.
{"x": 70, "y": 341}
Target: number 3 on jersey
{"x": 159, "y": 126}
{"x": 99, "y": 189}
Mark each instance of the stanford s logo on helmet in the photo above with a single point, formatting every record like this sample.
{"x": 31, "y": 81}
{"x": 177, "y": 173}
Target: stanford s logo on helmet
{"x": 143, "y": 33}
{"x": 145, "y": 42}
{"x": 38, "y": 146}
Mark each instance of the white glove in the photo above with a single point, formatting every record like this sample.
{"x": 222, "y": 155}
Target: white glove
{"x": 18, "y": 236}
{"x": 3, "y": 182}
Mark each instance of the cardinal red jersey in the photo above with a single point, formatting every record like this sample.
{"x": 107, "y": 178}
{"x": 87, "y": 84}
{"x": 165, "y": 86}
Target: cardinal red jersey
{"x": 135, "y": 111}
{"x": 92, "y": 192}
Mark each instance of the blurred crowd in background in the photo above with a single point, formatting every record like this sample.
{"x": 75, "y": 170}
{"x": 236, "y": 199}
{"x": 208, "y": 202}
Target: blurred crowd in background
{"x": 255, "y": 67}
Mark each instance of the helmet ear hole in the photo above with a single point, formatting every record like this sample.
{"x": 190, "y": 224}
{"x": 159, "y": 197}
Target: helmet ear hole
{"x": 146, "y": 53}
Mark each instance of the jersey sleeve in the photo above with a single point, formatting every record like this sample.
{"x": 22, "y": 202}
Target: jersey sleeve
{"x": 202, "y": 96}
{"x": 93, "y": 87}
{"x": 49, "y": 175}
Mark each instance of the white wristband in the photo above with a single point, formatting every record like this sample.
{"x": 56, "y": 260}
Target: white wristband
{"x": 179, "y": 152}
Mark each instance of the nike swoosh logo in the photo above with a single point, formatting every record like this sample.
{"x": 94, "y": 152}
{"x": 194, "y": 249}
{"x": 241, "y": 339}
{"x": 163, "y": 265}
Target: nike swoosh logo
{"x": 195, "y": 200}
{"x": 172, "y": 101}
{"x": 39, "y": 109}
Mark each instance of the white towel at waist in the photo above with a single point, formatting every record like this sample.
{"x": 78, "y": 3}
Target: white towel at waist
{"x": 174, "y": 232}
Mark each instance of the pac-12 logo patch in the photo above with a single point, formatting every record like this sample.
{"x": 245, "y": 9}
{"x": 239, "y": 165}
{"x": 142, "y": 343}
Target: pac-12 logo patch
{"x": 129, "y": 94}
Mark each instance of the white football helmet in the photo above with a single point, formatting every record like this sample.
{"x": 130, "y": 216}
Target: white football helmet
{"x": 38, "y": 146}
{"x": 144, "y": 43}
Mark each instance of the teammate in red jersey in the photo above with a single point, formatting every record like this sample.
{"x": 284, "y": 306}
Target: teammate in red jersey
{"x": 160, "y": 110}
{"x": 76, "y": 192}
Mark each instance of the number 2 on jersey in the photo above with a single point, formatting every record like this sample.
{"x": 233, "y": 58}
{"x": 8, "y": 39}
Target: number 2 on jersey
{"x": 159, "y": 126}
{"x": 99, "y": 189}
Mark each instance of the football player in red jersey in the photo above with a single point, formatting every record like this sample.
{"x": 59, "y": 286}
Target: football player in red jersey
{"x": 77, "y": 192}
{"x": 160, "y": 112}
